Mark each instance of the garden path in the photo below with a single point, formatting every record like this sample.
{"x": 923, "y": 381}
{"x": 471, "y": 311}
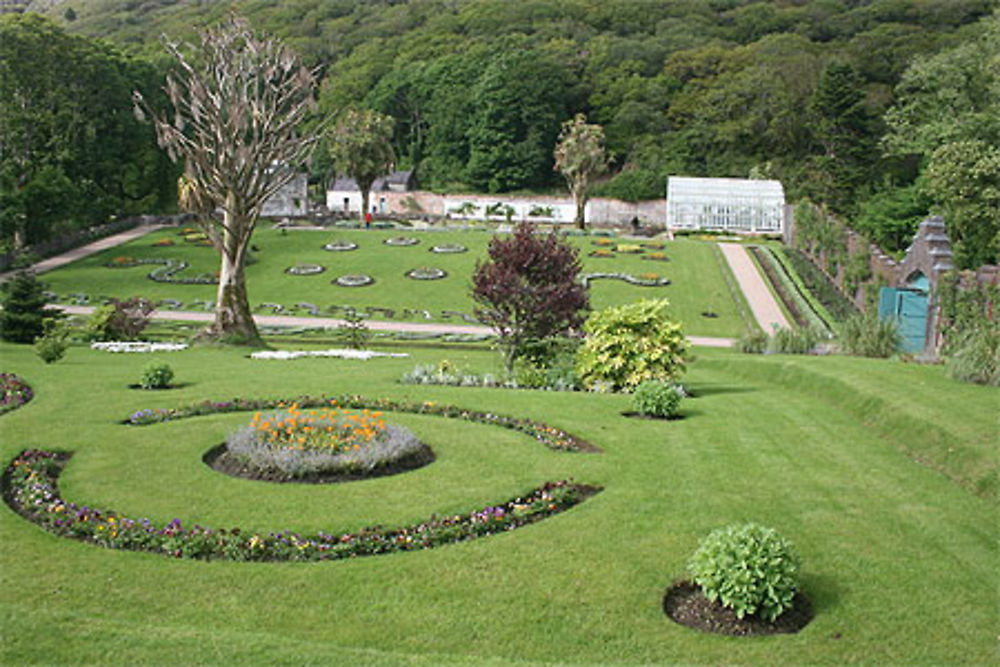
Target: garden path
{"x": 762, "y": 303}
{"x": 87, "y": 250}
{"x": 332, "y": 323}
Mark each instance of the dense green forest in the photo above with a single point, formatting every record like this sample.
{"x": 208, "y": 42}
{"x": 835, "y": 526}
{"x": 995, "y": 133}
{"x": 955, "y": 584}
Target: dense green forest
{"x": 880, "y": 110}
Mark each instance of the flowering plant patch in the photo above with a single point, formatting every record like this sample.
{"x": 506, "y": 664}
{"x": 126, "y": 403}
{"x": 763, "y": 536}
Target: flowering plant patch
{"x": 137, "y": 346}
{"x": 426, "y": 273}
{"x": 630, "y": 248}
{"x": 329, "y": 428}
{"x": 656, "y": 257}
{"x": 163, "y": 243}
{"x": 601, "y": 252}
{"x": 285, "y": 355}
{"x": 445, "y": 248}
{"x": 354, "y": 280}
{"x": 603, "y": 242}
{"x": 304, "y": 270}
{"x": 551, "y": 437}
{"x": 30, "y": 485}
{"x": 14, "y": 392}
{"x": 340, "y": 246}
{"x": 401, "y": 241}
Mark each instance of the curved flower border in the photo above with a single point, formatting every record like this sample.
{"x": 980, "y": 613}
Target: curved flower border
{"x": 586, "y": 279}
{"x": 305, "y": 270}
{"x": 354, "y": 280}
{"x": 165, "y": 273}
{"x": 15, "y": 392}
{"x": 426, "y": 273}
{"x": 551, "y": 437}
{"x": 30, "y": 488}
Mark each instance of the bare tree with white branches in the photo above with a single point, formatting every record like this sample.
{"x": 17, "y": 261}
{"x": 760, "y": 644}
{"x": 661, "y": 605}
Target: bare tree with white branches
{"x": 238, "y": 108}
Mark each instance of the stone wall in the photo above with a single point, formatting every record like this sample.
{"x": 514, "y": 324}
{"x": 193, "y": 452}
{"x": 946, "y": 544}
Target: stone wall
{"x": 600, "y": 211}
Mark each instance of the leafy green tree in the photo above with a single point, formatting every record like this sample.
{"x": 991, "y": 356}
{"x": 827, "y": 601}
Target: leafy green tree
{"x": 579, "y": 158}
{"x": 361, "y": 147}
{"x": 236, "y": 127}
{"x": 70, "y": 152}
{"x": 951, "y": 96}
{"x": 630, "y": 344}
{"x": 963, "y": 177}
{"x": 23, "y": 317}
{"x": 518, "y": 101}
{"x": 890, "y": 218}
{"x": 529, "y": 290}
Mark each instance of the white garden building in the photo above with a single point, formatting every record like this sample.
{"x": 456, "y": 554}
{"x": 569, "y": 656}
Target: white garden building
{"x": 725, "y": 204}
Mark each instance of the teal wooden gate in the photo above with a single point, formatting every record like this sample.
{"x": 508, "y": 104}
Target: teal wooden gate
{"x": 909, "y": 308}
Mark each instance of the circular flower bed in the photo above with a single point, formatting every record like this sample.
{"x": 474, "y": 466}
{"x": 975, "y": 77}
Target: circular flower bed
{"x": 602, "y": 253}
{"x": 319, "y": 445}
{"x": 31, "y": 490}
{"x": 14, "y": 392}
{"x": 354, "y": 280}
{"x": 426, "y": 273}
{"x": 656, "y": 257}
{"x": 630, "y": 249}
{"x": 304, "y": 270}
{"x": 604, "y": 242}
{"x": 163, "y": 243}
{"x": 340, "y": 246}
{"x": 401, "y": 241}
{"x": 446, "y": 248}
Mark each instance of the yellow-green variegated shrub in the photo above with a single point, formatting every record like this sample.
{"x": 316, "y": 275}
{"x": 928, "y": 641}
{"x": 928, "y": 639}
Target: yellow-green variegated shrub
{"x": 627, "y": 345}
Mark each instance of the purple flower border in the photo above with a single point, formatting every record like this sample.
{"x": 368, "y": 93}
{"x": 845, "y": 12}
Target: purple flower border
{"x": 15, "y": 392}
{"x": 30, "y": 488}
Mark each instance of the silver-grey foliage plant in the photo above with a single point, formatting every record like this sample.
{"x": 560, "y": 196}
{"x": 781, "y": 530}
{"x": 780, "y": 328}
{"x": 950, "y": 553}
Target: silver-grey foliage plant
{"x": 396, "y": 444}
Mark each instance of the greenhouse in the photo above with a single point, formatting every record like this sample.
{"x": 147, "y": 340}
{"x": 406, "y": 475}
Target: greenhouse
{"x": 725, "y": 204}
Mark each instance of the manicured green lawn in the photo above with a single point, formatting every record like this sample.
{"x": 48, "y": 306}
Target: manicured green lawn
{"x": 900, "y": 560}
{"x": 697, "y": 282}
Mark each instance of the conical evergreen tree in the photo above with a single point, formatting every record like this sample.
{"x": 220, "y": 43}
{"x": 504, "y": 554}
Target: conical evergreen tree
{"x": 24, "y": 310}
{"x": 842, "y": 126}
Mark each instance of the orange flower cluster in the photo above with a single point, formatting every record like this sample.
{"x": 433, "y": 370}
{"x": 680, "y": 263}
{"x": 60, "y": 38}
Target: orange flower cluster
{"x": 328, "y": 428}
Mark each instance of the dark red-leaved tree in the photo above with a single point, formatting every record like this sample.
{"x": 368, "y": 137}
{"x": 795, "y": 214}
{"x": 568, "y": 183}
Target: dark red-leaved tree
{"x": 529, "y": 290}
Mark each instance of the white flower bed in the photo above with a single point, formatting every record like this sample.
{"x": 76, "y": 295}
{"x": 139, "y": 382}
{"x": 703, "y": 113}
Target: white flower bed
{"x": 137, "y": 346}
{"x": 285, "y": 355}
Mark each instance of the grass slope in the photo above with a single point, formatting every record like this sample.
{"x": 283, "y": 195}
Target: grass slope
{"x": 899, "y": 560}
{"x": 697, "y": 284}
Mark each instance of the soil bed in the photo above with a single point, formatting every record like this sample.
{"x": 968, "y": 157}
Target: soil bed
{"x": 639, "y": 415}
{"x": 220, "y": 460}
{"x": 685, "y": 604}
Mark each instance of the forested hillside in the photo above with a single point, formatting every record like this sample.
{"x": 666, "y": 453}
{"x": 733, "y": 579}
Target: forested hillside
{"x": 827, "y": 95}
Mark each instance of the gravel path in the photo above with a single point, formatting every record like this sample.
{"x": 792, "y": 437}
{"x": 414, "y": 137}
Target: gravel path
{"x": 87, "y": 250}
{"x": 333, "y": 323}
{"x": 765, "y": 309}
